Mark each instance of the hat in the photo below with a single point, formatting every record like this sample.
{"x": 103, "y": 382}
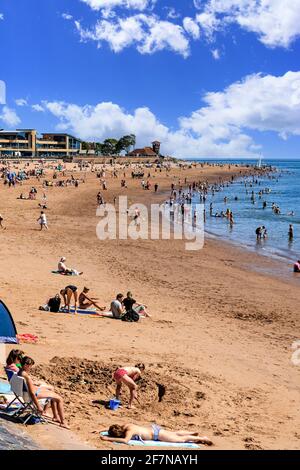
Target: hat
{"x": 62, "y": 259}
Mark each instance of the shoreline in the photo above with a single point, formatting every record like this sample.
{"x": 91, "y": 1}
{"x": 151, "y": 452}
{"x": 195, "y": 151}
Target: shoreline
{"x": 226, "y": 333}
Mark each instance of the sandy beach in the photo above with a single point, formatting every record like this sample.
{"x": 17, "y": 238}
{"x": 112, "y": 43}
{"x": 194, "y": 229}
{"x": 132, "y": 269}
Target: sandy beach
{"x": 219, "y": 338}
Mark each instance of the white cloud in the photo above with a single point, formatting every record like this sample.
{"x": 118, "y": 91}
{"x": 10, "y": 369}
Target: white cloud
{"x": 171, "y": 13}
{"x": 216, "y": 54}
{"x": 1, "y": 16}
{"x": 67, "y": 16}
{"x": 191, "y": 27}
{"x": 21, "y": 102}
{"x": 108, "y": 4}
{"x": 38, "y": 108}
{"x": 146, "y": 32}
{"x": 219, "y": 128}
{"x": 9, "y": 117}
{"x": 261, "y": 103}
{"x": 276, "y": 22}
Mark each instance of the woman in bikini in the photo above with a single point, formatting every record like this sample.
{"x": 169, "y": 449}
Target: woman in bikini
{"x": 39, "y": 393}
{"x": 67, "y": 293}
{"x": 128, "y": 376}
{"x": 86, "y": 302}
{"x": 126, "y": 432}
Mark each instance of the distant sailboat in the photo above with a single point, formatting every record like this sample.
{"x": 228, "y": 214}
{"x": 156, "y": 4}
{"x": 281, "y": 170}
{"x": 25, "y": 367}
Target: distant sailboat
{"x": 259, "y": 163}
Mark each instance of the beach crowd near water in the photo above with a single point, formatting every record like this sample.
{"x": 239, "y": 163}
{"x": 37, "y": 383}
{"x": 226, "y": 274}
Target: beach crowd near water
{"x": 35, "y": 182}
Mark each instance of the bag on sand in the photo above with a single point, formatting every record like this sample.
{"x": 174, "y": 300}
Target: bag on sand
{"x": 130, "y": 316}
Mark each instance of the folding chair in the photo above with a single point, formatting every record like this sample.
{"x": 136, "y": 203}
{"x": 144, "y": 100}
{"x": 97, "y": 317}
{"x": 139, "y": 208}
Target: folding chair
{"x": 26, "y": 404}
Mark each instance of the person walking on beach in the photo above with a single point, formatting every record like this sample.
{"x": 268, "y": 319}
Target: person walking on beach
{"x": 128, "y": 376}
{"x": 43, "y": 221}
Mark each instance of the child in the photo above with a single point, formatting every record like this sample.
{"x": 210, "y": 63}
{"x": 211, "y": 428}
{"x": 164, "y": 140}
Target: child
{"x": 13, "y": 362}
{"x": 43, "y": 221}
{"x": 128, "y": 376}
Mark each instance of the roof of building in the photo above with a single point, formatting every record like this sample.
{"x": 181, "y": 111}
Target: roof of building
{"x": 148, "y": 151}
{"x": 18, "y": 131}
{"x": 61, "y": 133}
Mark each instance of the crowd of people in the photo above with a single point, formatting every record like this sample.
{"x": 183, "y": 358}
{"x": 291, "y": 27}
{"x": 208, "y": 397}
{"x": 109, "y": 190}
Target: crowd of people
{"x": 70, "y": 298}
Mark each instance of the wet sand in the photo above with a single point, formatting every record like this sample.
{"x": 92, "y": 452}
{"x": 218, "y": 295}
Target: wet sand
{"x": 219, "y": 339}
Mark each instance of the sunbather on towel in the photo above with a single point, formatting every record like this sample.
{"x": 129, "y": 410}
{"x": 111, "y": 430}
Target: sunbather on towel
{"x": 39, "y": 393}
{"x": 86, "y": 302}
{"x": 126, "y": 432}
{"x": 62, "y": 268}
{"x": 128, "y": 376}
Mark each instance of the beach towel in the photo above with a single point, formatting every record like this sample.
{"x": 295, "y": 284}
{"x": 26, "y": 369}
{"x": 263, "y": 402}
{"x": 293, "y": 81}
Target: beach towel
{"x": 4, "y": 387}
{"x": 185, "y": 445}
{"x": 5, "y": 399}
{"x": 64, "y": 274}
{"x": 27, "y": 338}
{"x": 80, "y": 311}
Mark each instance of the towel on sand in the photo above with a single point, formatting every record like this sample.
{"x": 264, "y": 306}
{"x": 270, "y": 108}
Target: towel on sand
{"x": 64, "y": 274}
{"x": 185, "y": 445}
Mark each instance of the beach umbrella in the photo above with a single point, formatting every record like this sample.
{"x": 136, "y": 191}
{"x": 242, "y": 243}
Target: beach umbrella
{"x": 8, "y": 332}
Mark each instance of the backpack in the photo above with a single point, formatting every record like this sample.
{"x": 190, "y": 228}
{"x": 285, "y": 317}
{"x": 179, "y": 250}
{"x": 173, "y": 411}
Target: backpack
{"x": 130, "y": 316}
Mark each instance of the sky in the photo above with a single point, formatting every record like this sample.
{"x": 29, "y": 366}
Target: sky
{"x": 208, "y": 78}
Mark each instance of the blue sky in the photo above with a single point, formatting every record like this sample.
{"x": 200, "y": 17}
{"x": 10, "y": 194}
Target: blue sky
{"x": 206, "y": 77}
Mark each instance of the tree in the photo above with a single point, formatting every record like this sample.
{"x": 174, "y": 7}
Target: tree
{"x": 125, "y": 142}
{"x": 109, "y": 147}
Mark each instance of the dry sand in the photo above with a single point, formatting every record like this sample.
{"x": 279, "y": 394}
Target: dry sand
{"x": 219, "y": 339}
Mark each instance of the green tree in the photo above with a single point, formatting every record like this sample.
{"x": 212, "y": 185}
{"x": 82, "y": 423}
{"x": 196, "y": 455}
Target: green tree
{"x": 109, "y": 147}
{"x": 125, "y": 142}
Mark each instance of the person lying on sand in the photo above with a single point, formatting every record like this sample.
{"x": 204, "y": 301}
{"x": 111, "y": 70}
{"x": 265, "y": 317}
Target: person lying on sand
{"x": 86, "y": 302}
{"x": 67, "y": 293}
{"x": 62, "y": 268}
{"x": 126, "y": 432}
{"x": 130, "y": 303}
{"x": 39, "y": 393}
{"x": 128, "y": 376}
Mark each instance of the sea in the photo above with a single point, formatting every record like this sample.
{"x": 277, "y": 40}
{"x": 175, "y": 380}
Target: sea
{"x": 283, "y": 189}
